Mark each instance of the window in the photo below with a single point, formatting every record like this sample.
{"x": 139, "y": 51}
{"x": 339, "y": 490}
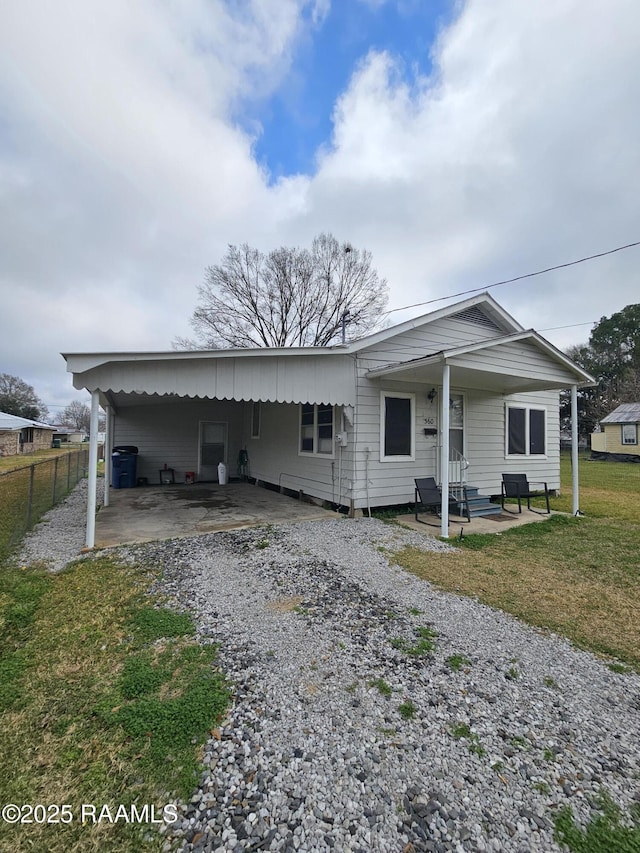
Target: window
{"x": 26, "y": 435}
{"x": 526, "y": 431}
{"x": 397, "y": 433}
{"x": 629, "y": 433}
{"x": 316, "y": 429}
{"x": 255, "y": 420}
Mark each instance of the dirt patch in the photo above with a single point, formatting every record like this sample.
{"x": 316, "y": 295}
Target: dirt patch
{"x": 285, "y": 605}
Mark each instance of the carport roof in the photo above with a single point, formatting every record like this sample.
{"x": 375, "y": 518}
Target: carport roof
{"x": 309, "y": 375}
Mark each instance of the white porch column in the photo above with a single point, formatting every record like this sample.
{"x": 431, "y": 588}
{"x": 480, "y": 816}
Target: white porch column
{"x": 93, "y": 472}
{"x": 575, "y": 479}
{"x": 108, "y": 440}
{"x": 444, "y": 450}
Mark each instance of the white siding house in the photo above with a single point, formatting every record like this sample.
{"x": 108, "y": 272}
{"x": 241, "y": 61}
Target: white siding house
{"x": 462, "y": 394}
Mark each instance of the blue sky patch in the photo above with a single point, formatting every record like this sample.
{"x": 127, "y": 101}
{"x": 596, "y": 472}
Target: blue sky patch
{"x": 297, "y": 119}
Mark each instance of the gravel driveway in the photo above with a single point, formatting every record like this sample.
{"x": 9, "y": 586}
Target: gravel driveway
{"x": 348, "y": 734}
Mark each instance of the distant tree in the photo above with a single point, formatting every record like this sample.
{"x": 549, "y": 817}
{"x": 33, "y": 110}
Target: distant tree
{"x": 19, "y": 398}
{"x": 77, "y": 415}
{"x": 612, "y": 356}
{"x": 618, "y": 338}
{"x": 288, "y": 297}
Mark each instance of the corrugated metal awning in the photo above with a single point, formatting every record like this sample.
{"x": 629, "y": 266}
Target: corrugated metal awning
{"x": 326, "y": 377}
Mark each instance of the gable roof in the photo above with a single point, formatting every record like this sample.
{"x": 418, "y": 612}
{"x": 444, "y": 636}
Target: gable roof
{"x": 322, "y": 374}
{"x": 9, "y": 423}
{"x": 481, "y": 309}
{"x": 507, "y": 376}
{"x": 626, "y": 413}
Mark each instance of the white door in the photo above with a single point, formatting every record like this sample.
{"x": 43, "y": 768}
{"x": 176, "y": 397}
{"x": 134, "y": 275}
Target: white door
{"x": 213, "y": 449}
{"x": 456, "y": 438}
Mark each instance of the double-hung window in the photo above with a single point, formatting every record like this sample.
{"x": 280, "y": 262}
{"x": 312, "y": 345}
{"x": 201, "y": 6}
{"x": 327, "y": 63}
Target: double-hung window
{"x": 316, "y": 429}
{"x": 397, "y": 430}
{"x": 629, "y": 433}
{"x": 526, "y": 431}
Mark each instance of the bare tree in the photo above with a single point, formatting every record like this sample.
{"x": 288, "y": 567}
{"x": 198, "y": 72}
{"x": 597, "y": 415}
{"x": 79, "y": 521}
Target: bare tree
{"x": 289, "y": 297}
{"x": 77, "y": 415}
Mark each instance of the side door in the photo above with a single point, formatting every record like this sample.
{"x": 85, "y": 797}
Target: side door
{"x": 213, "y": 449}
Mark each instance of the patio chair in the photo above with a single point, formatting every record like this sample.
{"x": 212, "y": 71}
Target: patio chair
{"x": 518, "y": 487}
{"x": 428, "y": 496}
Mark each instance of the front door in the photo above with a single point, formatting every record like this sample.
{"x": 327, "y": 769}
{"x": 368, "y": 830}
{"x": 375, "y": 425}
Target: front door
{"x": 456, "y": 438}
{"x": 213, "y": 449}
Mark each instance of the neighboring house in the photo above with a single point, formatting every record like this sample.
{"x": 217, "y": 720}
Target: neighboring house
{"x": 351, "y": 424}
{"x": 618, "y": 436}
{"x": 23, "y": 435}
{"x": 70, "y": 435}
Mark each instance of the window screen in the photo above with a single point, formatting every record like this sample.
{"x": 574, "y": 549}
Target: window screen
{"x": 516, "y": 428}
{"x": 306, "y": 427}
{"x": 397, "y": 426}
{"x": 536, "y": 431}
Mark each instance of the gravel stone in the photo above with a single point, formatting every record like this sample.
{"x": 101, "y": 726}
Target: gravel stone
{"x": 311, "y": 619}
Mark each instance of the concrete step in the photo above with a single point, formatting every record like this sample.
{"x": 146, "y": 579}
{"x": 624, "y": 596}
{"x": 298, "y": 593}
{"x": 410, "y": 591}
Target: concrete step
{"x": 479, "y": 505}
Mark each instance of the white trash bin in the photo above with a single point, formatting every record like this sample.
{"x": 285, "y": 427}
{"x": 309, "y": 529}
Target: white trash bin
{"x": 222, "y": 474}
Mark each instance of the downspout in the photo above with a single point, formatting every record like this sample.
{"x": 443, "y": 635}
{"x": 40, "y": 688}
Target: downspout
{"x": 93, "y": 472}
{"x": 444, "y": 451}
{"x": 575, "y": 479}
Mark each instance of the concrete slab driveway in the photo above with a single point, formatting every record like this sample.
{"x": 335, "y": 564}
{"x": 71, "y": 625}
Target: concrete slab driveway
{"x": 165, "y": 512}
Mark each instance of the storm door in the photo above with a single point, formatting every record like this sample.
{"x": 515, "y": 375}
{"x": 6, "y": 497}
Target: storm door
{"x": 213, "y": 449}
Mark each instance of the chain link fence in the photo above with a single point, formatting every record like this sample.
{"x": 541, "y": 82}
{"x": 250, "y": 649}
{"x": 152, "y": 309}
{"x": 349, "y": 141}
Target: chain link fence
{"x": 27, "y": 493}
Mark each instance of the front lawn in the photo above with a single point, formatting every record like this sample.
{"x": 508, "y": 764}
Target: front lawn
{"x": 105, "y": 697}
{"x": 579, "y": 577}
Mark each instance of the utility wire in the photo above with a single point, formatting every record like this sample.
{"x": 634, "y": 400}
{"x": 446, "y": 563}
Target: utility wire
{"x": 517, "y": 278}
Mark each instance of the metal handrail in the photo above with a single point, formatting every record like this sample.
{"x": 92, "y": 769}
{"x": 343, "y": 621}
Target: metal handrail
{"x": 458, "y": 467}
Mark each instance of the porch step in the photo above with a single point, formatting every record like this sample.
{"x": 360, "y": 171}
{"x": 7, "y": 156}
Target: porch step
{"x": 479, "y": 505}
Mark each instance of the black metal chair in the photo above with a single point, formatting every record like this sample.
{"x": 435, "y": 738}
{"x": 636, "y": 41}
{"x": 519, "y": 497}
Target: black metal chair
{"x": 517, "y": 486}
{"x": 428, "y": 496}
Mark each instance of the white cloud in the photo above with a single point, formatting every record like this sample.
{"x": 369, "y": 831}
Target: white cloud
{"x": 124, "y": 170}
{"x": 516, "y": 154}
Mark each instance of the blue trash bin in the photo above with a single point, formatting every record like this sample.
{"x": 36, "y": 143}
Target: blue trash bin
{"x": 124, "y": 461}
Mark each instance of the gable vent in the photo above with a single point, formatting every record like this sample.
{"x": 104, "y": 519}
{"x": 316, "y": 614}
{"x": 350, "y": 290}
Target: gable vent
{"x": 477, "y": 317}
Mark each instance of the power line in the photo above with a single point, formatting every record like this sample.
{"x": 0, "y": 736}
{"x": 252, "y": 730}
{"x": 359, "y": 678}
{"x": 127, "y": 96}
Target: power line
{"x": 570, "y": 326}
{"x": 516, "y": 278}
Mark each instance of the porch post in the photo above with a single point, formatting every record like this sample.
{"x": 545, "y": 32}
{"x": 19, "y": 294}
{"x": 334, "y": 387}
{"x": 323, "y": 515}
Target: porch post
{"x": 575, "y": 479}
{"x": 444, "y": 451}
{"x": 107, "y": 455}
{"x": 93, "y": 472}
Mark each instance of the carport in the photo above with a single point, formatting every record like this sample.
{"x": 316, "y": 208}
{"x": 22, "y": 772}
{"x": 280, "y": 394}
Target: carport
{"x": 167, "y": 512}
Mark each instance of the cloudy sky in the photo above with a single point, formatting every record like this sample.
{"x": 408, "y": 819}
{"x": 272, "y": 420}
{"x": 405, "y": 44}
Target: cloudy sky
{"x": 460, "y": 142}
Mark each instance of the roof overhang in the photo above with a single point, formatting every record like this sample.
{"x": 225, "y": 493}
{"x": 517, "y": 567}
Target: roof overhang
{"x": 500, "y": 365}
{"x": 309, "y": 375}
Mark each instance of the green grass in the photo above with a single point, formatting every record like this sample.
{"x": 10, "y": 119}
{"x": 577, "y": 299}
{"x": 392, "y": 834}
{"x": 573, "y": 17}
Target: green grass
{"x": 423, "y": 645}
{"x": 381, "y": 685}
{"x": 55, "y": 472}
{"x": 407, "y": 710}
{"x": 456, "y": 662}
{"x": 106, "y": 697}
{"x": 605, "y": 832}
{"x": 462, "y": 731}
{"x": 577, "y": 576}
